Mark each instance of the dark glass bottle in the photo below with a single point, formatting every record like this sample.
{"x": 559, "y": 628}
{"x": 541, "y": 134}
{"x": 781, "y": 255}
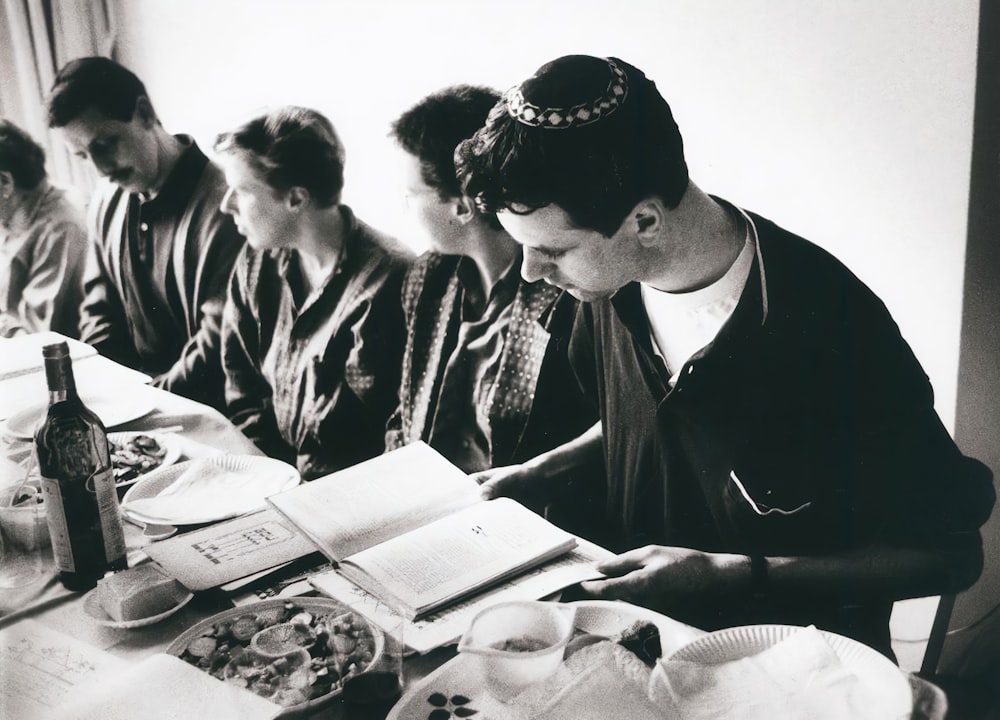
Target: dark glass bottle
{"x": 77, "y": 481}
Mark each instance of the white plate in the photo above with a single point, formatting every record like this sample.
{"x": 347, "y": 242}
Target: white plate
{"x": 269, "y": 476}
{"x": 167, "y": 441}
{"x": 740, "y": 642}
{"x": 454, "y": 686}
{"x": 112, "y": 410}
{"x": 92, "y": 607}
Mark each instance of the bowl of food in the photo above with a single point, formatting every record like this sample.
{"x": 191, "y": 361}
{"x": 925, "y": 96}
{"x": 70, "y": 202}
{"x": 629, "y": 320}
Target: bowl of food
{"x": 296, "y": 653}
{"x": 515, "y": 644}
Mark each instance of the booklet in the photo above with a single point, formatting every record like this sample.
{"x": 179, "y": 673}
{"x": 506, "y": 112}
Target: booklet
{"x": 411, "y": 528}
{"x": 227, "y": 551}
{"x": 445, "y": 626}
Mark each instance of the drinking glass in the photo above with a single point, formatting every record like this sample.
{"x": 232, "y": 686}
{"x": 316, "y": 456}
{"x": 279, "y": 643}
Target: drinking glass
{"x": 371, "y": 695}
{"x": 23, "y": 530}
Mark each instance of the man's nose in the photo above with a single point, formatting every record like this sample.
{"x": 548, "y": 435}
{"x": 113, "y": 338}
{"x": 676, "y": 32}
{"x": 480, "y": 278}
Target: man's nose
{"x": 227, "y": 205}
{"x": 534, "y": 265}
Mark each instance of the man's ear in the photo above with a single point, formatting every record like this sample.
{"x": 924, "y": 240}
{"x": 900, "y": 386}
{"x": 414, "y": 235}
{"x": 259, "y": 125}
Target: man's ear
{"x": 648, "y": 218}
{"x": 144, "y": 111}
{"x": 463, "y": 209}
{"x": 298, "y": 197}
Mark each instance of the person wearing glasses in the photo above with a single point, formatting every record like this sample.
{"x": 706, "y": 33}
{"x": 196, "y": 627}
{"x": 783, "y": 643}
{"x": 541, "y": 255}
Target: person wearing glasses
{"x": 771, "y": 445}
{"x": 486, "y": 379}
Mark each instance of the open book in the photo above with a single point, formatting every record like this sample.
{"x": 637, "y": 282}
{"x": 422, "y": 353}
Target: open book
{"x": 410, "y": 528}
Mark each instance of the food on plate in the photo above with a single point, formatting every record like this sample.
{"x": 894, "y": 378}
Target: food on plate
{"x": 138, "y": 593}
{"x": 643, "y": 639}
{"x": 323, "y": 649}
{"x": 135, "y": 456}
{"x": 520, "y": 644}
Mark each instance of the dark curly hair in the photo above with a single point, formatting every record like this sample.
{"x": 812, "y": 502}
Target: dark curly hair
{"x": 595, "y": 171}
{"x": 292, "y": 147}
{"x": 94, "y": 82}
{"x": 21, "y": 156}
{"x": 432, "y": 129}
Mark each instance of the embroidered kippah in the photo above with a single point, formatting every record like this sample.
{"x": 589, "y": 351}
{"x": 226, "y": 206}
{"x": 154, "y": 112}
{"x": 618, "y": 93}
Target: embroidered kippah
{"x": 585, "y": 113}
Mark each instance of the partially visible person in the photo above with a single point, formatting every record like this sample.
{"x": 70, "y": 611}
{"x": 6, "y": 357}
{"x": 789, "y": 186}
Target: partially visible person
{"x": 773, "y": 453}
{"x": 42, "y": 243}
{"x": 486, "y": 382}
{"x": 161, "y": 251}
{"x": 312, "y": 332}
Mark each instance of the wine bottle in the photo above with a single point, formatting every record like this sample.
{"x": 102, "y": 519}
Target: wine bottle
{"x": 77, "y": 481}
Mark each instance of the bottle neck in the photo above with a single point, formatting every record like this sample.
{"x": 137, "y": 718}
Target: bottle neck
{"x": 59, "y": 375}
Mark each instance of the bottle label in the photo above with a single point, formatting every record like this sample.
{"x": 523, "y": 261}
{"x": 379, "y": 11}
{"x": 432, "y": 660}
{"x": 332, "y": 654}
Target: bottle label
{"x": 111, "y": 521}
{"x": 102, "y": 485}
{"x": 55, "y": 514}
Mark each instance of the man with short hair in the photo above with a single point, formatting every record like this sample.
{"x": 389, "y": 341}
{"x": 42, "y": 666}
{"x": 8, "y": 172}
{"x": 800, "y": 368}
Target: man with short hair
{"x": 161, "y": 250}
{"x": 486, "y": 379}
{"x": 772, "y": 449}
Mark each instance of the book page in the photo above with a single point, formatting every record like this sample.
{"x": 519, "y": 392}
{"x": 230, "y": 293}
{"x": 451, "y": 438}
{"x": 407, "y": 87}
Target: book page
{"x": 41, "y": 669}
{"x": 445, "y": 626}
{"x": 372, "y": 501}
{"x": 443, "y": 560}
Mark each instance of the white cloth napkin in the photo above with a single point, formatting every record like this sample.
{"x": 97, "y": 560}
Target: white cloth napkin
{"x": 799, "y": 677}
{"x": 207, "y": 490}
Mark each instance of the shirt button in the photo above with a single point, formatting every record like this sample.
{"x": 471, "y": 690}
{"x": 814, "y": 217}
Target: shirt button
{"x": 144, "y": 227}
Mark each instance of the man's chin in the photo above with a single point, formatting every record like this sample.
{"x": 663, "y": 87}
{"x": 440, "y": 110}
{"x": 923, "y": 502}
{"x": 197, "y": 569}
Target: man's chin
{"x": 586, "y": 295}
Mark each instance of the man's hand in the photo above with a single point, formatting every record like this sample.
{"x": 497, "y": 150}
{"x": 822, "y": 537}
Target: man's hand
{"x": 522, "y": 482}
{"x": 663, "y": 577}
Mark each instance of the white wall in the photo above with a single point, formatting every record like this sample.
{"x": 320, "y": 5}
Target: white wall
{"x": 848, "y": 122}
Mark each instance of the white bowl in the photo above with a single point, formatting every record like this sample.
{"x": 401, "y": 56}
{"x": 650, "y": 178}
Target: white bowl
{"x": 516, "y": 644}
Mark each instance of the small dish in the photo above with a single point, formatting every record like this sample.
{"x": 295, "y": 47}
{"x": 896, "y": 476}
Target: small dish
{"x": 515, "y": 644}
{"x": 167, "y": 442}
{"x": 92, "y": 607}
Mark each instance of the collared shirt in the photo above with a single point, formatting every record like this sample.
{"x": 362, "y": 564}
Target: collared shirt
{"x": 680, "y": 324}
{"x": 805, "y": 427}
{"x": 157, "y": 275}
{"x": 41, "y": 265}
{"x": 313, "y": 380}
{"x": 461, "y": 416}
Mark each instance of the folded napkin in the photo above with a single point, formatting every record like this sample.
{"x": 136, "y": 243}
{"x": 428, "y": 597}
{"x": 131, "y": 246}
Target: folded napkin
{"x": 799, "y": 677}
{"x": 599, "y": 681}
{"x": 205, "y": 491}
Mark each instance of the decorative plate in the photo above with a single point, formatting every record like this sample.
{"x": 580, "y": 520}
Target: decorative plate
{"x": 453, "y": 691}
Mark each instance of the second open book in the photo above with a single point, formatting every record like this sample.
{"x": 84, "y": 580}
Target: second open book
{"x": 410, "y": 527}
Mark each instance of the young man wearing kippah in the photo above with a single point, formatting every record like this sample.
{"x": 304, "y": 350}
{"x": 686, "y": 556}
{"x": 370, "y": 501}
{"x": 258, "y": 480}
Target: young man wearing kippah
{"x": 770, "y": 440}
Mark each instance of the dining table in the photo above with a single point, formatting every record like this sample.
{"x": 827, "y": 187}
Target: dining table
{"x": 202, "y": 431}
